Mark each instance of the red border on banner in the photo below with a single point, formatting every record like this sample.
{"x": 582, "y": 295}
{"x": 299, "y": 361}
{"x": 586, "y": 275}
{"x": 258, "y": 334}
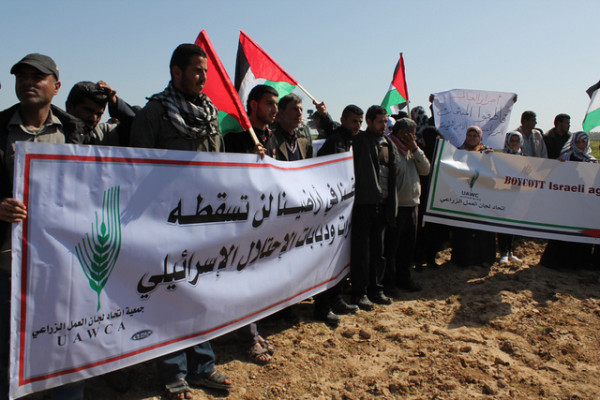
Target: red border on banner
{"x": 24, "y": 246}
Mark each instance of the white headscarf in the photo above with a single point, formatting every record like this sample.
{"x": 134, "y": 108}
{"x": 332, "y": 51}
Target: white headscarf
{"x": 571, "y": 152}
{"x": 507, "y": 148}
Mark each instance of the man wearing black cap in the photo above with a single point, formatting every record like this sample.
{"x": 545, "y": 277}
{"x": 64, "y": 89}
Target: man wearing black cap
{"x": 33, "y": 119}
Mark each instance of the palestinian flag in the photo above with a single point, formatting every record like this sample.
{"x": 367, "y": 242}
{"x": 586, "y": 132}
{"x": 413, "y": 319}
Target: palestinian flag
{"x": 220, "y": 90}
{"x": 397, "y": 95}
{"x": 592, "y": 117}
{"x": 254, "y": 67}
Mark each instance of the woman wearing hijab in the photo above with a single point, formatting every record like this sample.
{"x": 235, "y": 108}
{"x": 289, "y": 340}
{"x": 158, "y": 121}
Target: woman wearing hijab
{"x": 570, "y": 255}
{"x": 512, "y": 145}
{"x": 470, "y": 246}
{"x": 577, "y": 148}
{"x": 474, "y": 140}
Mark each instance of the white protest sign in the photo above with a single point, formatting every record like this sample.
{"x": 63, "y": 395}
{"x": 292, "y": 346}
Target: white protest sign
{"x": 455, "y": 110}
{"x": 129, "y": 254}
{"x": 509, "y": 193}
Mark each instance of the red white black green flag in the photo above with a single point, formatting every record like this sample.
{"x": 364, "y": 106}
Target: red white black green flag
{"x": 218, "y": 87}
{"x": 254, "y": 66}
{"x": 397, "y": 96}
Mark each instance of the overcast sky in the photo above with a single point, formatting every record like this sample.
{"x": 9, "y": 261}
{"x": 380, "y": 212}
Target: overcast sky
{"x": 341, "y": 51}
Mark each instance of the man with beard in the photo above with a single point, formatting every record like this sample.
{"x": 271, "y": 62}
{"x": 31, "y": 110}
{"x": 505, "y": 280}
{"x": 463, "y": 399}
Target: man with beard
{"x": 288, "y": 142}
{"x": 556, "y": 137}
{"x": 183, "y": 118}
{"x": 262, "y": 110}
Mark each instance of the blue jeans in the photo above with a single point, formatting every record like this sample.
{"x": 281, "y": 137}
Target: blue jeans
{"x": 200, "y": 360}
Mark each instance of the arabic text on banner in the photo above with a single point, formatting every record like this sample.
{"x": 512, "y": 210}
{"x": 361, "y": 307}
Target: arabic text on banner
{"x": 129, "y": 254}
{"x": 455, "y": 110}
{"x": 509, "y": 193}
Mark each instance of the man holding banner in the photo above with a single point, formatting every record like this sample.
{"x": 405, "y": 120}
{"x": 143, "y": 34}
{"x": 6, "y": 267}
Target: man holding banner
{"x": 183, "y": 118}
{"x": 33, "y": 119}
{"x": 262, "y": 110}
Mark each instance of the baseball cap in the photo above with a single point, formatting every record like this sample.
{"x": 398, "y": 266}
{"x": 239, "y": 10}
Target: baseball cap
{"x": 40, "y": 62}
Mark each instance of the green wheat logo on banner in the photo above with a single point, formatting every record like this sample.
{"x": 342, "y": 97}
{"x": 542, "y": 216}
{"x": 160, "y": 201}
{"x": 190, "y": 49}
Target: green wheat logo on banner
{"x": 98, "y": 251}
{"x": 473, "y": 179}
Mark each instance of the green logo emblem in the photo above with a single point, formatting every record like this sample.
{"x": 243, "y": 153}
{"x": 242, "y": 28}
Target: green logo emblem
{"x": 98, "y": 251}
{"x": 473, "y": 179}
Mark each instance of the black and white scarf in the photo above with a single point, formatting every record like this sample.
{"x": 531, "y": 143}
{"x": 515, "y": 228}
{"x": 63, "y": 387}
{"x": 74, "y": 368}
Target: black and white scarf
{"x": 191, "y": 119}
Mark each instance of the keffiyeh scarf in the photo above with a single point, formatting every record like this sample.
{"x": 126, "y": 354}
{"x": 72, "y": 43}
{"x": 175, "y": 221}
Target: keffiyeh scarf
{"x": 191, "y": 119}
{"x": 571, "y": 152}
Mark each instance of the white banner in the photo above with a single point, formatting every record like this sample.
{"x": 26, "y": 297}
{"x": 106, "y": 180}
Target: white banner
{"x": 455, "y": 110}
{"x": 508, "y": 193}
{"x": 129, "y": 254}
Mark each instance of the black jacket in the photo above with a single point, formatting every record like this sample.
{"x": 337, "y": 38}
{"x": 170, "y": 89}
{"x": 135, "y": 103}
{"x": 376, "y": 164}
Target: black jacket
{"x": 339, "y": 141}
{"x": 366, "y": 172}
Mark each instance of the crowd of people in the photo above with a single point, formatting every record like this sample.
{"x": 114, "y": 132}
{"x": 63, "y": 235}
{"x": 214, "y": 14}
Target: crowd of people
{"x": 392, "y": 162}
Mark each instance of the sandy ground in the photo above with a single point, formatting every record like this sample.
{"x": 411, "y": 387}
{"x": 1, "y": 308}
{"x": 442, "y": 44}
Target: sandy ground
{"x": 516, "y": 331}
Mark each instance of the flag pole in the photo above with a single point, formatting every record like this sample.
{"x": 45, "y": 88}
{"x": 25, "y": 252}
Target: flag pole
{"x": 253, "y": 135}
{"x": 308, "y": 94}
{"x": 407, "y": 101}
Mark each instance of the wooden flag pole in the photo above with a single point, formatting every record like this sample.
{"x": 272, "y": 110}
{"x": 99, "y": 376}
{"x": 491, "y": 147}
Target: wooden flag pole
{"x": 253, "y": 135}
{"x": 308, "y": 94}
{"x": 407, "y": 102}
{"x": 261, "y": 149}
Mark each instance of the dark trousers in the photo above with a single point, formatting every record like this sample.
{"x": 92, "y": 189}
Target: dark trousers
{"x": 472, "y": 247}
{"x": 4, "y": 331}
{"x": 367, "y": 265}
{"x": 567, "y": 255}
{"x": 200, "y": 359}
{"x": 324, "y": 299}
{"x": 505, "y": 243}
{"x": 400, "y": 241}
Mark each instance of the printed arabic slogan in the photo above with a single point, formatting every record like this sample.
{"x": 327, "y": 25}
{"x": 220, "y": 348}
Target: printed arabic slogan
{"x": 508, "y": 193}
{"x": 129, "y": 254}
{"x": 455, "y": 110}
